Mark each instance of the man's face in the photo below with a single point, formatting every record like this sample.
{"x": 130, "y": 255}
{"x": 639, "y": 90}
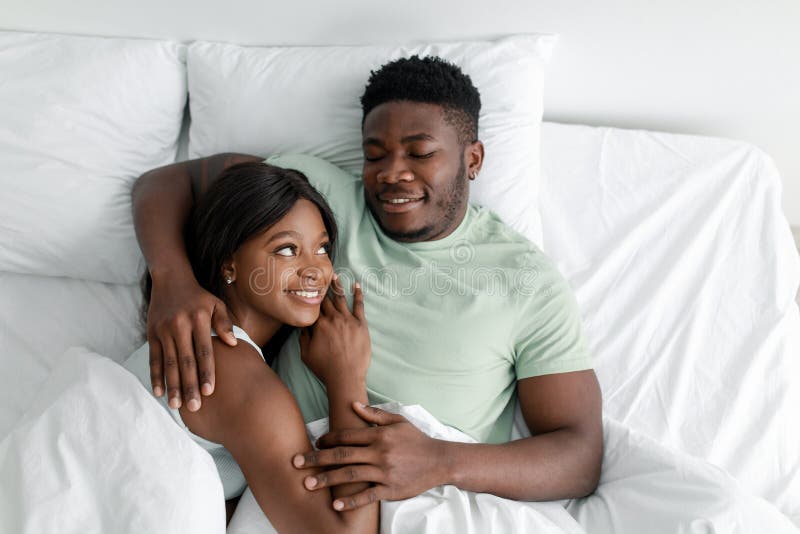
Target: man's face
{"x": 415, "y": 171}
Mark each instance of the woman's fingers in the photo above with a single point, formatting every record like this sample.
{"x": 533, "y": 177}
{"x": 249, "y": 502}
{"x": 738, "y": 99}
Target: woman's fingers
{"x": 343, "y": 475}
{"x": 358, "y": 302}
{"x": 337, "y": 295}
{"x": 328, "y": 308}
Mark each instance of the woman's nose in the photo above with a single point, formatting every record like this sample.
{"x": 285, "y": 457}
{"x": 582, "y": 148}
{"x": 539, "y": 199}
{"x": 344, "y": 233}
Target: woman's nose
{"x": 310, "y": 272}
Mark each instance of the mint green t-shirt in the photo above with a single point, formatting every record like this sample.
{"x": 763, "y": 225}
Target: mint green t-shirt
{"x": 454, "y": 323}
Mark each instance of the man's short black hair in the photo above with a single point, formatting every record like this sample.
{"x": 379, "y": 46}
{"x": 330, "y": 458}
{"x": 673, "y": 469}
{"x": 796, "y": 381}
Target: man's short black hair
{"x": 428, "y": 80}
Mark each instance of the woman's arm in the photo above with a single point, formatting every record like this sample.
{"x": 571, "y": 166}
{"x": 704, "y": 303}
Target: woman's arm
{"x": 255, "y": 417}
{"x": 338, "y": 352}
{"x": 181, "y": 313}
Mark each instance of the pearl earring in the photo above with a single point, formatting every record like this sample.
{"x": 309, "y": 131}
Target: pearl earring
{"x": 229, "y": 281}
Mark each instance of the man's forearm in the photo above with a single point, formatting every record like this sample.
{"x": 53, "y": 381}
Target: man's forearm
{"x": 558, "y": 465}
{"x": 162, "y": 201}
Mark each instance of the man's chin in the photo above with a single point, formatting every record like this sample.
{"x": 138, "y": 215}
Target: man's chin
{"x": 405, "y": 234}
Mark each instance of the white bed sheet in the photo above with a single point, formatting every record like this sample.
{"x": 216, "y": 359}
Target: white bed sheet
{"x": 41, "y": 317}
{"x": 644, "y": 488}
{"x": 685, "y": 271}
{"x": 96, "y": 454}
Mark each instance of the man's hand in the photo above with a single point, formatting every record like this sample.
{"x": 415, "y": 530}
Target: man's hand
{"x": 397, "y": 457}
{"x": 179, "y": 322}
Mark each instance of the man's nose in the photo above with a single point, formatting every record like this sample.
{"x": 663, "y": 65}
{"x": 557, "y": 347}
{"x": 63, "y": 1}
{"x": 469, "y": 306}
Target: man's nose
{"x": 395, "y": 170}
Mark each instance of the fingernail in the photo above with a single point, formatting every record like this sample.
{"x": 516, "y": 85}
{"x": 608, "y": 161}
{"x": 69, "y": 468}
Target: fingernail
{"x": 193, "y": 405}
{"x": 298, "y": 460}
{"x": 158, "y": 391}
{"x": 335, "y": 276}
{"x": 359, "y": 404}
{"x": 206, "y": 389}
{"x": 358, "y": 286}
{"x": 311, "y": 482}
{"x": 175, "y": 403}
{"x": 338, "y": 505}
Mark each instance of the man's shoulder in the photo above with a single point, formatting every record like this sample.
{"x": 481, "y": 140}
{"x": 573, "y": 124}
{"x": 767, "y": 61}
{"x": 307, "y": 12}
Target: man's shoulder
{"x": 315, "y": 168}
{"x": 489, "y": 229}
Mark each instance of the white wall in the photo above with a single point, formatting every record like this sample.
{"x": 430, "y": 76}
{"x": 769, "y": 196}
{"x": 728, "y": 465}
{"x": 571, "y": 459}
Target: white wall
{"x": 711, "y": 67}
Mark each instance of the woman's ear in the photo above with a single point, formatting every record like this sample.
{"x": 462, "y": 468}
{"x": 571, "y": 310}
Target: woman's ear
{"x": 474, "y": 157}
{"x": 228, "y": 272}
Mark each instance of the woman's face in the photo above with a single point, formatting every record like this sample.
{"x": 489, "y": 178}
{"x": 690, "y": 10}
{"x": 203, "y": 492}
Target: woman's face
{"x": 284, "y": 272}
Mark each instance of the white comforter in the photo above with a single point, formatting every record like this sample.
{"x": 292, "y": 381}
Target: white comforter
{"x": 96, "y": 453}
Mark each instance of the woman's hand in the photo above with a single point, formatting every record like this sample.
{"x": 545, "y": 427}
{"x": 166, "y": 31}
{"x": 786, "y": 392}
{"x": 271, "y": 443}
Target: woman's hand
{"x": 337, "y": 348}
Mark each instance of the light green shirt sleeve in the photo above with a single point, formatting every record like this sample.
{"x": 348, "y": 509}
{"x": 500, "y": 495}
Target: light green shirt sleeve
{"x": 550, "y": 338}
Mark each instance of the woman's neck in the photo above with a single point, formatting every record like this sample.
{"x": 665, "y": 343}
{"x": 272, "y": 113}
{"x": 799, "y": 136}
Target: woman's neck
{"x": 258, "y": 327}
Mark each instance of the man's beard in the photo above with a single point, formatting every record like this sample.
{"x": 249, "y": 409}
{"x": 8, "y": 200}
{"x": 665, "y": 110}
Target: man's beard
{"x": 450, "y": 205}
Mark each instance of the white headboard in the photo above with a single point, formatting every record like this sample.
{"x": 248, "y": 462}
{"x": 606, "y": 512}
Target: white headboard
{"x": 710, "y": 67}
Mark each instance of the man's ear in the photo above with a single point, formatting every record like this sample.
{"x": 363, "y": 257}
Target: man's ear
{"x": 474, "y": 156}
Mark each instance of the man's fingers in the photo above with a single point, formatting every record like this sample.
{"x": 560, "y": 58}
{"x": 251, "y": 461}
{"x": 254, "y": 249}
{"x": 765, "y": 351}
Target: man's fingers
{"x": 171, "y": 372}
{"x": 222, "y": 326}
{"x": 377, "y": 416}
{"x": 188, "y": 370}
{"x": 336, "y": 456}
{"x": 358, "y": 302}
{"x": 201, "y": 335}
{"x": 344, "y": 475}
{"x": 354, "y": 436}
{"x": 368, "y": 496}
{"x": 156, "y": 367}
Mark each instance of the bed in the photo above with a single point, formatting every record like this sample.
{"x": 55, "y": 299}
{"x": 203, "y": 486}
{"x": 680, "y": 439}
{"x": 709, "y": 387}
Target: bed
{"x": 676, "y": 246}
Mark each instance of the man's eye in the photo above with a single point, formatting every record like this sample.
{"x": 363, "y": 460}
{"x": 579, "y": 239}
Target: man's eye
{"x": 423, "y": 156}
{"x": 286, "y": 251}
{"x": 372, "y": 156}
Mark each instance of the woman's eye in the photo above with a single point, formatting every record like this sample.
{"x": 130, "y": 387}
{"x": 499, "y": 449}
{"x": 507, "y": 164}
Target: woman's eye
{"x": 323, "y": 249}
{"x": 285, "y": 251}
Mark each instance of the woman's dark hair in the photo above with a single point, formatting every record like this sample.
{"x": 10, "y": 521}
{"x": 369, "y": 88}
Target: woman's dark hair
{"x": 244, "y": 201}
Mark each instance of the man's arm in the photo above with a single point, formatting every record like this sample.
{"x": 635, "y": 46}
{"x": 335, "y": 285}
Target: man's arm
{"x": 181, "y": 313}
{"x": 561, "y": 460}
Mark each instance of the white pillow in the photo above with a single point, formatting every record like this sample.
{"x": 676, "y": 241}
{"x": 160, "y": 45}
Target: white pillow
{"x": 80, "y": 119}
{"x": 265, "y": 101}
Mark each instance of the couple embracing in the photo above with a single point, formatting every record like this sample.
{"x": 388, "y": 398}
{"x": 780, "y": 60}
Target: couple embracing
{"x": 350, "y": 289}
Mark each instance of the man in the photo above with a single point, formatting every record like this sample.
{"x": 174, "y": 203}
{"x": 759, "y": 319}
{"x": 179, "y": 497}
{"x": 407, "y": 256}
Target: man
{"x": 466, "y": 316}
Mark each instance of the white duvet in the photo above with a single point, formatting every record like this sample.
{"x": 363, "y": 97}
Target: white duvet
{"x": 96, "y": 454}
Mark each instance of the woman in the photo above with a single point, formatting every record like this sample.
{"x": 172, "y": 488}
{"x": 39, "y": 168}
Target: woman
{"x": 261, "y": 239}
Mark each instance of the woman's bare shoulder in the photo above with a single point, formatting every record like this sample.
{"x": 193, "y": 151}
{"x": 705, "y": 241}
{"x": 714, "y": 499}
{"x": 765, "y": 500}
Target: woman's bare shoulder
{"x": 242, "y": 379}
